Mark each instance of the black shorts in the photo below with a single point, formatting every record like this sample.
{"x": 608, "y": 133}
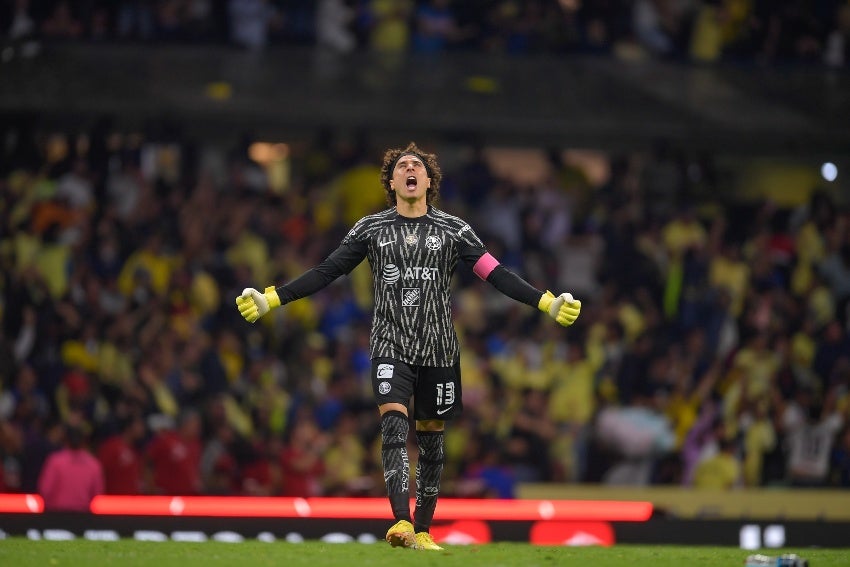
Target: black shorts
{"x": 436, "y": 391}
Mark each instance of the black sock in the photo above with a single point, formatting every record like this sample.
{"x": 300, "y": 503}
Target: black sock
{"x": 429, "y": 468}
{"x": 394, "y": 428}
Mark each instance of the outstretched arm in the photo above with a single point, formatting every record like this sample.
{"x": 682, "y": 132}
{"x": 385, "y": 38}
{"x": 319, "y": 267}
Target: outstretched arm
{"x": 253, "y": 304}
{"x": 564, "y": 308}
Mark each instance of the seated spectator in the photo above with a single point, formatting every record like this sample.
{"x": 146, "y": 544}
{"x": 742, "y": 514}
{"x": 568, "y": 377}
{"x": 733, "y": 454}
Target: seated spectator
{"x": 841, "y": 459}
{"x": 721, "y": 471}
{"x": 810, "y": 438}
{"x": 436, "y": 27}
{"x": 71, "y": 477}
{"x": 62, "y": 24}
{"x": 174, "y": 457}
{"x": 488, "y": 476}
{"x": 119, "y": 456}
{"x": 301, "y": 459}
{"x": 249, "y": 23}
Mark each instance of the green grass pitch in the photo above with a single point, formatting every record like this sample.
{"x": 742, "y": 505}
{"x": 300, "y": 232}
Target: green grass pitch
{"x": 19, "y": 552}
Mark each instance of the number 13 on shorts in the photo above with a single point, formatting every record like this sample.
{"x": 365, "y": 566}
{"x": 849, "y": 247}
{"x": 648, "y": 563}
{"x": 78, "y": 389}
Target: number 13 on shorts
{"x": 446, "y": 394}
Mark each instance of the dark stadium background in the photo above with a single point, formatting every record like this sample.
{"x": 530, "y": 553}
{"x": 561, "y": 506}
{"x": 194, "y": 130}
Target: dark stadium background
{"x": 680, "y": 166}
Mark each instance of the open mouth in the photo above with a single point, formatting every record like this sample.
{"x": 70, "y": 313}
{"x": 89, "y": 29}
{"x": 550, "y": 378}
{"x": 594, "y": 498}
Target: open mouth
{"x": 411, "y": 182}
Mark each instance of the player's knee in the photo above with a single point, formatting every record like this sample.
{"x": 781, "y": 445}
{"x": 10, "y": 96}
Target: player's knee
{"x": 392, "y": 406}
{"x": 430, "y": 425}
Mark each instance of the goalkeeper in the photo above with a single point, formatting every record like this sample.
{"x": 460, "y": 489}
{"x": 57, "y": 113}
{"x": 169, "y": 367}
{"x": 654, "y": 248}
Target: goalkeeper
{"x": 413, "y": 249}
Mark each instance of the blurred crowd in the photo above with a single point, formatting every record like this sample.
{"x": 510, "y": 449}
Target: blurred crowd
{"x": 712, "y": 350}
{"x": 696, "y": 30}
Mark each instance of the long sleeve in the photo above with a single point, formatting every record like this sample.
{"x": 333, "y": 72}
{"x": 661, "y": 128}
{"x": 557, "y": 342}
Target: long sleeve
{"x": 340, "y": 262}
{"x": 514, "y": 286}
{"x": 488, "y": 268}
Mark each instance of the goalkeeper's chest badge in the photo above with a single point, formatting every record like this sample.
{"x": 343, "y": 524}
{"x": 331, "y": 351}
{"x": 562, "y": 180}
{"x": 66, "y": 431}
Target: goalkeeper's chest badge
{"x": 411, "y": 239}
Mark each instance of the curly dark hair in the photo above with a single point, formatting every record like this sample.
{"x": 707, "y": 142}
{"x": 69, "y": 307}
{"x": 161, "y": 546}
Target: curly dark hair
{"x": 430, "y": 160}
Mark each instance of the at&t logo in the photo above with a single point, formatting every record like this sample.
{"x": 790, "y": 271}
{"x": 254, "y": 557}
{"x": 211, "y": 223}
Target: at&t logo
{"x": 391, "y": 273}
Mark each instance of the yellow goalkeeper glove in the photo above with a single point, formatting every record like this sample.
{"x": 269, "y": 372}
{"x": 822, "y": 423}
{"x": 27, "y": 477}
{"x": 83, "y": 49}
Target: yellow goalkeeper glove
{"x": 563, "y": 309}
{"x": 252, "y": 304}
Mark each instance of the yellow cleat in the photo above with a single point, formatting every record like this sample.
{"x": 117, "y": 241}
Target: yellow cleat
{"x": 402, "y": 535}
{"x": 424, "y": 541}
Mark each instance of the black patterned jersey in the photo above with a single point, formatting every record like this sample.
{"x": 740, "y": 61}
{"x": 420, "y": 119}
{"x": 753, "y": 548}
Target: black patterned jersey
{"x": 412, "y": 262}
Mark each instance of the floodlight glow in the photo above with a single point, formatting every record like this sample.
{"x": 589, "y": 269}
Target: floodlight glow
{"x": 829, "y": 171}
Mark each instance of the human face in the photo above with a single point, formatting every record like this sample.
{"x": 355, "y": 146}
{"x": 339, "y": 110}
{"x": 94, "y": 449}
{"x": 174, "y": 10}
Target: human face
{"x": 410, "y": 179}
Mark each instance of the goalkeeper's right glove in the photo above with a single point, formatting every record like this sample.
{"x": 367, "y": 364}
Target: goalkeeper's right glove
{"x": 252, "y": 304}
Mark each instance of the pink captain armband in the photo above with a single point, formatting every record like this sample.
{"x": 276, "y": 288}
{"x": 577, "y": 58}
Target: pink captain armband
{"x": 485, "y": 266}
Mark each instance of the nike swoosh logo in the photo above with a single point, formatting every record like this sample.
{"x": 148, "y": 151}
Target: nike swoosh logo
{"x": 389, "y": 474}
{"x": 442, "y": 411}
{"x": 382, "y": 244}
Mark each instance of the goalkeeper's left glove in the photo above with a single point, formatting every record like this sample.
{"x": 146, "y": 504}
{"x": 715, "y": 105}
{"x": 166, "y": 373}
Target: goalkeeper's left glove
{"x": 563, "y": 309}
{"x": 253, "y": 304}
